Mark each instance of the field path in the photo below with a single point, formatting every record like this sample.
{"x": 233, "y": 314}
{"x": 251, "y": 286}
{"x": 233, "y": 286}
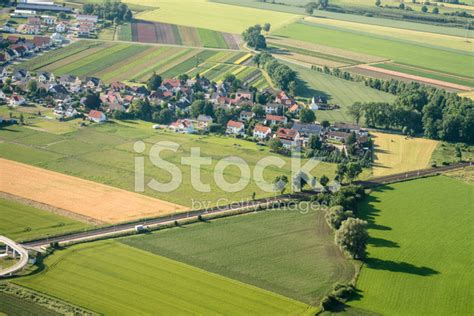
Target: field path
{"x": 87, "y": 198}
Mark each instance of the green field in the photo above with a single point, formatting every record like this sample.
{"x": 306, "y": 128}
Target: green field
{"x": 115, "y": 279}
{"x": 213, "y": 16}
{"x": 11, "y": 305}
{"x": 283, "y": 251}
{"x": 430, "y": 58}
{"x": 81, "y": 153}
{"x": 298, "y": 10}
{"x": 427, "y": 74}
{"x": 24, "y": 222}
{"x": 131, "y": 62}
{"x": 338, "y": 91}
{"x": 420, "y": 252}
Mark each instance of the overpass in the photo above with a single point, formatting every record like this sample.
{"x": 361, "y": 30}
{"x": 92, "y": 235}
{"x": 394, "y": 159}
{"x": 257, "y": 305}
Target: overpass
{"x": 13, "y": 249}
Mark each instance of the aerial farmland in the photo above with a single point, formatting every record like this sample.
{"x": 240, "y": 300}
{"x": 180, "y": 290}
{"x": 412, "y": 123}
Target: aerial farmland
{"x": 183, "y": 157}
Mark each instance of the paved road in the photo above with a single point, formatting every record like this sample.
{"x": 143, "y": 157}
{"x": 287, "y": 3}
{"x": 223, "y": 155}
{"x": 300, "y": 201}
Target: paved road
{"x": 222, "y": 209}
{"x": 161, "y": 220}
{"x": 20, "y": 250}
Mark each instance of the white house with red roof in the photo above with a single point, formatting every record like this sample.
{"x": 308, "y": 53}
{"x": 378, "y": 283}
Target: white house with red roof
{"x": 271, "y": 119}
{"x": 235, "y": 128}
{"x": 16, "y": 100}
{"x": 184, "y": 126}
{"x": 262, "y": 132}
{"x": 97, "y": 116}
{"x": 288, "y": 136}
{"x": 283, "y": 98}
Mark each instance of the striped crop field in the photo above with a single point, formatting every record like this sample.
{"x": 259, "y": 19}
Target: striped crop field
{"x": 136, "y": 62}
{"x": 165, "y": 33}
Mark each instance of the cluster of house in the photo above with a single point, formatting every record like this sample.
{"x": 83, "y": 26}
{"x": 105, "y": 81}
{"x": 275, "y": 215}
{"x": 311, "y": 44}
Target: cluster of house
{"x": 17, "y": 47}
{"x": 81, "y": 25}
{"x": 178, "y": 96}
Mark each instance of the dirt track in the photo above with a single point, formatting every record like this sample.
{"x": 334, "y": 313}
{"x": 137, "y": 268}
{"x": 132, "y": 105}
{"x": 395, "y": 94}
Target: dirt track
{"x": 87, "y": 198}
{"x": 415, "y": 78}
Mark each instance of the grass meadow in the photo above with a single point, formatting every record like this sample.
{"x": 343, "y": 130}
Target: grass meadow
{"x": 420, "y": 253}
{"x": 283, "y": 251}
{"x": 11, "y": 305}
{"x": 425, "y": 57}
{"x": 213, "y": 16}
{"x": 23, "y": 222}
{"x": 115, "y": 279}
{"x": 104, "y": 153}
{"x": 338, "y": 91}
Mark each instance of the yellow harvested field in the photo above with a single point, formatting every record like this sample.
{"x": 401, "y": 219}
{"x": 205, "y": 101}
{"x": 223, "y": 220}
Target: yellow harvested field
{"x": 210, "y": 15}
{"x": 83, "y": 197}
{"x": 448, "y": 41}
{"x": 243, "y": 59}
{"x": 398, "y": 153}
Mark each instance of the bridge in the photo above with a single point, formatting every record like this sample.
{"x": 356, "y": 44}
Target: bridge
{"x": 15, "y": 250}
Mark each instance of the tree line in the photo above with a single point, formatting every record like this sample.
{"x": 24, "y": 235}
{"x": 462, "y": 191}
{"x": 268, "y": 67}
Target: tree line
{"x": 109, "y": 10}
{"x": 418, "y": 108}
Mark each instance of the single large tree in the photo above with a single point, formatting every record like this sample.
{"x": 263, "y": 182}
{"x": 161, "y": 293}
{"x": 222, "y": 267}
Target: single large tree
{"x": 254, "y": 38}
{"x": 154, "y": 82}
{"x": 307, "y": 115}
{"x": 356, "y": 110}
{"x": 352, "y": 237}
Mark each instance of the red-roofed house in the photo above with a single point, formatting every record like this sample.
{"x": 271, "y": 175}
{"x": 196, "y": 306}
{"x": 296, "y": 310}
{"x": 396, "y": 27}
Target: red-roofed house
{"x": 17, "y": 100}
{"x": 271, "y": 119}
{"x": 235, "y": 128}
{"x": 183, "y": 126}
{"x": 97, "y": 116}
{"x": 262, "y": 132}
{"x": 283, "y": 98}
{"x": 287, "y": 136}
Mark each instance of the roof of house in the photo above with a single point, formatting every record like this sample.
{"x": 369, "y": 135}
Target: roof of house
{"x": 186, "y": 123}
{"x": 95, "y": 81}
{"x": 235, "y": 124}
{"x": 307, "y": 128}
{"x": 96, "y": 114}
{"x": 204, "y": 118}
{"x": 271, "y": 117}
{"x": 286, "y": 133}
{"x": 340, "y": 125}
{"x": 262, "y": 128}
{"x": 338, "y": 134}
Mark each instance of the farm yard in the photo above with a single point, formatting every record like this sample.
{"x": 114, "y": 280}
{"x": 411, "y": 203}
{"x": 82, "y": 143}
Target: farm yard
{"x": 136, "y": 62}
{"x": 81, "y": 154}
{"x": 212, "y": 16}
{"x": 163, "y": 33}
{"x": 23, "y": 222}
{"x": 419, "y": 244}
{"x": 399, "y": 153}
{"x": 110, "y": 277}
{"x": 257, "y": 249}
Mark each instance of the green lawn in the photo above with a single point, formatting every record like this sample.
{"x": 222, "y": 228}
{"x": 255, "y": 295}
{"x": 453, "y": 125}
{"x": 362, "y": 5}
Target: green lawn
{"x": 430, "y": 58}
{"x": 338, "y": 91}
{"x": 283, "y": 251}
{"x": 24, "y": 222}
{"x": 446, "y": 152}
{"x": 115, "y": 279}
{"x": 104, "y": 153}
{"x": 421, "y": 250}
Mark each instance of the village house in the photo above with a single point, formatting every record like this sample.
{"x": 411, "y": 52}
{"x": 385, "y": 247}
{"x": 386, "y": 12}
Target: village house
{"x": 307, "y": 129}
{"x": 86, "y": 18}
{"x": 92, "y": 82}
{"x": 349, "y": 128}
{"x": 16, "y": 100}
{"x": 21, "y": 74}
{"x": 288, "y": 137}
{"x": 284, "y": 99}
{"x": 338, "y": 136}
{"x": 34, "y": 20}
{"x": 241, "y": 95}
{"x": 271, "y": 119}
{"x": 49, "y": 20}
{"x": 97, "y": 116}
{"x": 183, "y": 126}
{"x": 204, "y": 121}
{"x": 235, "y": 128}
{"x": 273, "y": 108}
{"x": 246, "y": 115}
{"x": 262, "y": 132}
{"x": 44, "y": 77}
{"x": 61, "y": 27}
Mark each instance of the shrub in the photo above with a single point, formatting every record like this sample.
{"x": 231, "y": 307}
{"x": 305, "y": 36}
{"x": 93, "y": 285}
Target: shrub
{"x": 336, "y": 215}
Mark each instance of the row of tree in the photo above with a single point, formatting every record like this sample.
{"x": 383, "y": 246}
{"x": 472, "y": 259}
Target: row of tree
{"x": 436, "y": 113}
{"x": 282, "y": 75}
